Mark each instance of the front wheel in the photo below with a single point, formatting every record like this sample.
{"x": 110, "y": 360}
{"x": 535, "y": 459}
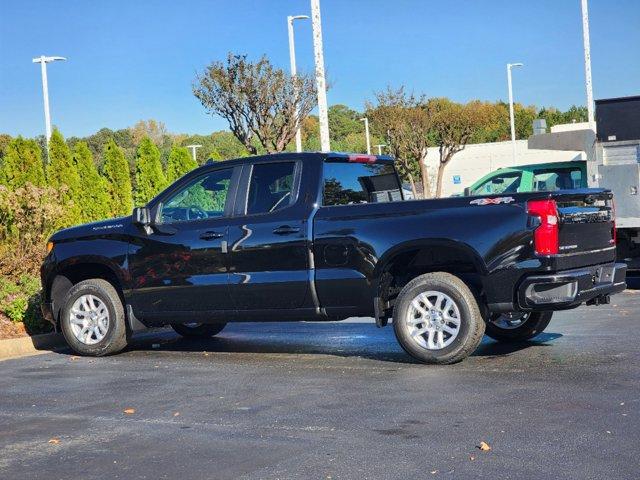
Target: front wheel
{"x": 92, "y": 318}
{"x": 436, "y": 319}
{"x": 198, "y": 330}
{"x": 517, "y": 326}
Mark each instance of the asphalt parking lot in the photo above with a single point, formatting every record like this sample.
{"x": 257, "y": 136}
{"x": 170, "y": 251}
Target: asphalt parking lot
{"x": 334, "y": 400}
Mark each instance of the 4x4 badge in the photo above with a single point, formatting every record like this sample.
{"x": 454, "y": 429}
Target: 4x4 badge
{"x": 492, "y": 201}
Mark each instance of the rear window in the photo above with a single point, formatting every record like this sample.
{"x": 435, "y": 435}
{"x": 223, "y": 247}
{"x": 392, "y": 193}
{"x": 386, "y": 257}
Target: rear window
{"x": 352, "y": 183}
{"x": 550, "y": 180}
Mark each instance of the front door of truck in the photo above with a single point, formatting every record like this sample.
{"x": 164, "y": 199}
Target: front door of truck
{"x": 269, "y": 251}
{"x": 181, "y": 264}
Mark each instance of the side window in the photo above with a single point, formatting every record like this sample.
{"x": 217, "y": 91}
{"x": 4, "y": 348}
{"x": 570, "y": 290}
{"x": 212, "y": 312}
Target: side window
{"x": 350, "y": 183}
{"x": 508, "y": 182}
{"x": 205, "y": 197}
{"x": 270, "y": 188}
{"x": 549, "y": 180}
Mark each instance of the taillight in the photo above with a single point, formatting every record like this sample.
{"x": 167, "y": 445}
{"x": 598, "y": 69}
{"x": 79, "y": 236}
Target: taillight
{"x": 362, "y": 158}
{"x": 546, "y": 235}
{"x": 614, "y": 232}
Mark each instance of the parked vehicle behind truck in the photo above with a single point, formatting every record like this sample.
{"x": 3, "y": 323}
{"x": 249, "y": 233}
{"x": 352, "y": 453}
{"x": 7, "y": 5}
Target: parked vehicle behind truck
{"x": 327, "y": 236}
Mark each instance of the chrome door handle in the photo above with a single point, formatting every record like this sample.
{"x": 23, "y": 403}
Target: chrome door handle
{"x": 285, "y": 230}
{"x": 210, "y": 235}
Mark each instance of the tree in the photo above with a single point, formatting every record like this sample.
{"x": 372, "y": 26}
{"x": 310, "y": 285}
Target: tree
{"x": 404, "y": 122}
{"x": 61, "y": 171}
{"x": 453, "y": 125}
{"x": 343, "y": 122}
{"x": 5, "y": 140}
{"x": 156, "y": 131}
{"x": 22, "y": 164}
{"x": 150, "y": 179}
{"x": 258, "y": 100}
{"x": 180, "y": 162}
{"x": 116, "y": 174}
{"x": 93, "y": 196}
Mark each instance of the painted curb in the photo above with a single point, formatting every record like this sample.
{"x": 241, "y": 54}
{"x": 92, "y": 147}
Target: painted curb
{"x": 37, "y": 344}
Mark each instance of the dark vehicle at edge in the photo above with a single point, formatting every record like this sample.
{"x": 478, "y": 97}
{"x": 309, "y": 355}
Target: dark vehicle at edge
{"x": 327, "y": 236}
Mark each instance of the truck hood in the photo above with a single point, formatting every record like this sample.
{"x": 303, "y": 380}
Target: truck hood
{"x": 111, "y": 226}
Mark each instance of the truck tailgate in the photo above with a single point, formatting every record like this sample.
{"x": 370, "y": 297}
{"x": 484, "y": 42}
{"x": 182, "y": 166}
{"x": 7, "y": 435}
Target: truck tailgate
{"x": 586, "y": 221}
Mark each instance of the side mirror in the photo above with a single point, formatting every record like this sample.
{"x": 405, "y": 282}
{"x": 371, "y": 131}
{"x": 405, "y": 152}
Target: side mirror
{"x": 467, "y": 191}
{"x": 141, "y": 216}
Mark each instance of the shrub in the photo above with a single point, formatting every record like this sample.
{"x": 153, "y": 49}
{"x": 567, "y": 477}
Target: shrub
{"x": 116, "y": 173}
{"x": 21, "y": 164}
{"x": 180, "y": 162}
{"x": 28, "y": 216}
{"x": 150, "y": 179}
{"x": 20, "y": 302}
{"x": 61, "y": 171}
{"x": 93, "y": 196}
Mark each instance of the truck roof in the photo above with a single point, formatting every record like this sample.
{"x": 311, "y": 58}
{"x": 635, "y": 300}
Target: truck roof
{"x": 313, "y": 156}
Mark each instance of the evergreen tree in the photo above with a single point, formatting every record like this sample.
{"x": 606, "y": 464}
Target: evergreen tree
{"x": 180, "y": 162}
{"x": 21, "y": 164}
{"x": 150, "y": 179}
{"x": 116, "y": 174}
{"x": 62, "y": 174}
{"x": 94, "y": 197}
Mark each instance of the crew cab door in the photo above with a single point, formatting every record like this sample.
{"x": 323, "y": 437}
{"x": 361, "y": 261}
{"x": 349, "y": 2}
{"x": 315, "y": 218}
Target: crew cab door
{"x": 268, "y": 244}
{"x": 181, "y": 264}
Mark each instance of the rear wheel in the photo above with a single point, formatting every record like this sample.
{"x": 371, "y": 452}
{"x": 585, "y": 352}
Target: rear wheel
{"x": 436, "y": 319}
{"x": 198, "y": 330}
{"x": 517, "y": 326}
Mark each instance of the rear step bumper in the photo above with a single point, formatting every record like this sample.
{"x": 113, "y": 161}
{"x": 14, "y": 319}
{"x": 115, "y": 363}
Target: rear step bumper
{"x": 570, "y": 288}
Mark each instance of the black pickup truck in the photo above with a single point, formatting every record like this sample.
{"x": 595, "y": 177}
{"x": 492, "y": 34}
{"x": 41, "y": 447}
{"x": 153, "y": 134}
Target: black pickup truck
{"x": 327, "y": 236}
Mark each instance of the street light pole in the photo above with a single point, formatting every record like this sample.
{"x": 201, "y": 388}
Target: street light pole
{"x": 511, "y": 115}
{"x": 294, "y": 72}
{"x": 193, "y": 150}
{"x": 321, "y": 84}
{"x": 379, "y": 146}
{"x": 42, "y": 60}
{"x": 366, "y": 133}
{"x": 587, "y": 63}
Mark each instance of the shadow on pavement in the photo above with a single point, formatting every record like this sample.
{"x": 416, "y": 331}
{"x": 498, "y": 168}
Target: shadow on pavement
{"x": 337, "y": 339}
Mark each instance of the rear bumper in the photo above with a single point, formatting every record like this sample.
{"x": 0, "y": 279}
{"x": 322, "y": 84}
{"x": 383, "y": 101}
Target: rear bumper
{"x": 570, "y": 288}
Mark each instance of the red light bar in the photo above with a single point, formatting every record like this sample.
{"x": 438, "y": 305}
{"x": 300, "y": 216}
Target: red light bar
{"x": 362, "y": 158}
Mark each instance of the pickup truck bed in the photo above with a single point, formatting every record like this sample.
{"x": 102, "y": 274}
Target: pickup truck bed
{"x": 319, "y": 236}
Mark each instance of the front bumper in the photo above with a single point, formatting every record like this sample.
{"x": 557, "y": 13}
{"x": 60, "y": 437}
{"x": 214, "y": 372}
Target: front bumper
{"x": 570, "y": 288}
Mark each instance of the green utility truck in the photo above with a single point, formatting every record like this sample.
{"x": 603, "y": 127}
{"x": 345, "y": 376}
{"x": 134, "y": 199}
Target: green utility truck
{"x": 541, "y": 177}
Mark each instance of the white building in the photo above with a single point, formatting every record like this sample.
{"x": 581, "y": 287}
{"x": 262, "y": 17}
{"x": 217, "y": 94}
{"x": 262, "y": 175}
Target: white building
{"x": 476, "y": 160}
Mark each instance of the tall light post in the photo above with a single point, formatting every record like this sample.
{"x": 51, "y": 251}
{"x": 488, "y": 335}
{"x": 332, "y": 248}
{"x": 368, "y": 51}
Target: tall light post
{"x": 193, "y": 150}
{"x": 379, "y": 147}
{"x": 511, "y": 115}
{"x": 366, "y": 133}
{"x": 321, "y": 84}
{"x": 587, "y": 63}
{"x": 42, "y": 60}
{"x": 294, "y": 72}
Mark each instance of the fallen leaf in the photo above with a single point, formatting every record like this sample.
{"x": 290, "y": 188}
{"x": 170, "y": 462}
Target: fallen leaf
{"x": 54, "y": 441}
{"x": 621, "y": 404}
{"x": 433, "y": 472}
{"x": 472, "y": 458}
{"x": 74, "y": 358}
{"x": 177, "y": 414}
{"x": 484, "y": 446}
{"x": 129, "y": 411}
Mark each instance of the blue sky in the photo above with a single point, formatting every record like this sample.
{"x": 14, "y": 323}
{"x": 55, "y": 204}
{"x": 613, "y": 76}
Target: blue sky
{"x": 132, "y": 60}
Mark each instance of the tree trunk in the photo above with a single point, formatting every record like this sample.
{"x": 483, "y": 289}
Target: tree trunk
{"x": 439, "y": 181}
{"x": 412, "y": 182}
{"x": 424, "y": 172}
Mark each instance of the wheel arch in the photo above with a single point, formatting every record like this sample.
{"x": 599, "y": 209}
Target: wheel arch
{"x": 74, "y": 271}
{"x": 405, "y": 261}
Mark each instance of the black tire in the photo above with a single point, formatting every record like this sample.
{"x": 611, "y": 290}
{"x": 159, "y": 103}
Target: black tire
{"x": 116, "y": 336}
{"x": 533, "y": 325}
{"x": 471, "y": 325}
{"x": 200, "y": 330}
